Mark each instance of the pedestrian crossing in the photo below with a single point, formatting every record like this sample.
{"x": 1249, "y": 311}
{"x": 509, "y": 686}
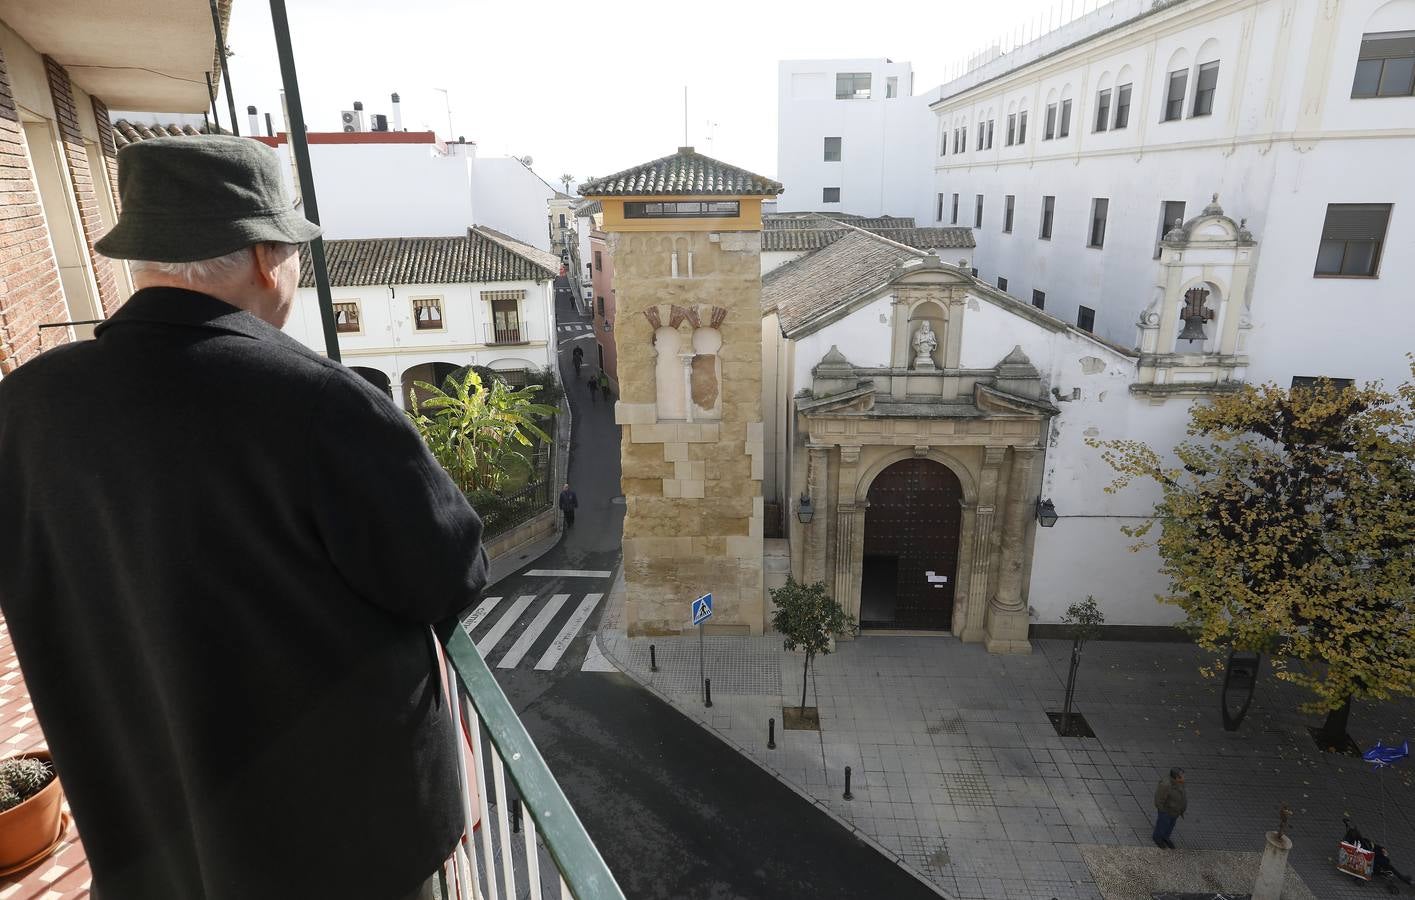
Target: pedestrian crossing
{"x": 492, "y": 622}
{"x": 575, "y": 327}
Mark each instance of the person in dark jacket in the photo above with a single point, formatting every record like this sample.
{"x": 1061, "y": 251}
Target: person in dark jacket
{"x": 1171, "y": 800}
{"x": 223, "y": 556}
{"x": 594, "y": 388}
{"x": 568, "y": 504}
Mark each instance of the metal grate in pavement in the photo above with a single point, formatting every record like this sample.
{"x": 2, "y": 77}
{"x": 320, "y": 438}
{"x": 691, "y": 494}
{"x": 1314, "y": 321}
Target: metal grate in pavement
{"x": 952, "y": 725}
{"x": 968, "y": 790}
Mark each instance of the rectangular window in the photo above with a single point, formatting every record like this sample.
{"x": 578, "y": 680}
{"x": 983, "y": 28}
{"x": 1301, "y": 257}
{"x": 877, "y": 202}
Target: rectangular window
{"x": 1122, "y": 106}
{"x": 852, "y": 86}
{"x": 1022, "y": 127}
{"x": 978, "y": 213}
{"x": 1385, "y": 66}
{"x": 600, "y": 301}
{"x": 1352, "y": 237}
{"x": 1086, "y": 319}
{"x": 990, "y": 123}
{"x": 694, "y": 209}
{"x": 1171, "y": 214}
{"x": 427, "y": 313}
{"x": 1308, "y": 382}
{"x": 830, "y": 195}
{"x": 1103, "y": 110}
{"x": 1204, "y": 88}
{"x": 1001, "y": 283}
{"x": 1011, "y": 129}
{"x": 1008, "y": 204}
{"x": 963, "y": 140}
{"x": 1064, "y": 128}
{"x": 982, "y": 133}
{"x": 598, "y": 261}
{"x": 955, "y": 210}
{"x": 505, "y": 317}
{"x": 1049, "y": 131}
{"x": 346, "y": 317}
{"x": 832, "y": 149}
{"x": 955, "y": 140}
{"x": 1100, "y": 206}
{"x": 938, "y": 216}
{"x": 891, "y": 87}
{"x": 1048, "y": 212}
{"x": 1174, "y": 95}
{"x": 1039, "y": 299}
{"x": 943, "y": 143}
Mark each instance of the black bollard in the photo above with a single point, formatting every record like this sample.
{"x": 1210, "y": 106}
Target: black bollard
{"x": 653, "y": 659}
{"x": 516, "y": 817}
{"x": 771, "y": 734}
{"x": 707, "y": 690}
{"x": 848, "y": 795}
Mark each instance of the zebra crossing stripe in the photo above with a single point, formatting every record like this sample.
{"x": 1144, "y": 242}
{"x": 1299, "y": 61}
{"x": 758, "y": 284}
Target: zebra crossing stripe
{"x": 483, "y": 610}
{"x": 503, "y": 625}
{"x": 532, "y": 633}
{"x": 567, "y": 634}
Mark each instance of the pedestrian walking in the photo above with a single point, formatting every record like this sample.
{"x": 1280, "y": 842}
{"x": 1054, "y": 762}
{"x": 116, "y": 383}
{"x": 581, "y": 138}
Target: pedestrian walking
{"x": 1170, "y": 803}
{"x": 568, "y": 503}
{"x": 594, "y": 389}
{"x": 246, "y": 646}
{"x": 604, "y": 384}
{"x": 577, "y": 356}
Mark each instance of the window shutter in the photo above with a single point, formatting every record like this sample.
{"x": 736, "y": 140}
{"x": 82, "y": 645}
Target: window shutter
{"x": 1390, "y": 45}
{"x": 1356, "y": 221}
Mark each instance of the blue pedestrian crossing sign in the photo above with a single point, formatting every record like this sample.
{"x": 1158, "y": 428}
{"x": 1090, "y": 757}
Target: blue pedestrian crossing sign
{"x": 702, "y": 609}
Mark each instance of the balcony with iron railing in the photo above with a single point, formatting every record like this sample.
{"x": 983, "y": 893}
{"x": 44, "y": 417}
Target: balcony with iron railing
{"x": 513, "y": 333}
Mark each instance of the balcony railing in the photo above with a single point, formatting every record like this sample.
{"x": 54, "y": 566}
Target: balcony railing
{"x": 536, "y": 832}
{"x": 514, "y": 334}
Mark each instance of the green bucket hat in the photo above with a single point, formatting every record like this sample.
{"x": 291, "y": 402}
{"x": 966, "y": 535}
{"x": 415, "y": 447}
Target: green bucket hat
{"x": 190, "y": 198}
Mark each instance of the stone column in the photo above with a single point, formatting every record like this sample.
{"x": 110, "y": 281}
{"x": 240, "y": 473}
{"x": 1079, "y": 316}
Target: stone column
{"x": 687, "y": 360}
{"x": 1272, "y": 868}
{"x": 817, "y": 469}
{"x": 1007, "y": 613}
{"x": 981, "y": 562}
{"x": 846, "y": 536}
{"x": 400, "y": 398}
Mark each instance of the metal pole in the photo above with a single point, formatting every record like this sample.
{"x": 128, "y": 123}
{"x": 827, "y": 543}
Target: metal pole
{"x": 225, "y": 70}
{"x": 296, "y": 124}
{"x": 701, "y": 673}
{"x": 211, "y": 94}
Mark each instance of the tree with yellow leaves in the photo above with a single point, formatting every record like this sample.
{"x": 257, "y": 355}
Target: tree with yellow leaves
{"x": 1288, "y": 527}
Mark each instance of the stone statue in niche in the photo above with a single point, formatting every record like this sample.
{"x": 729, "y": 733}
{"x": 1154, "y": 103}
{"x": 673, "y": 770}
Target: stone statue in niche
{"x": 925, "y": 343}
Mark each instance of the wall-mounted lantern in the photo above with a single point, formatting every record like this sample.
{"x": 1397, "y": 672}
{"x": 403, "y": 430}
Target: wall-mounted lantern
{"x": 1046, "y": 513}
{"x": 804, "y": 510}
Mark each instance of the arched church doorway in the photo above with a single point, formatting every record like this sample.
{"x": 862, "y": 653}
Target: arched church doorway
{"x": 910, "y": 565}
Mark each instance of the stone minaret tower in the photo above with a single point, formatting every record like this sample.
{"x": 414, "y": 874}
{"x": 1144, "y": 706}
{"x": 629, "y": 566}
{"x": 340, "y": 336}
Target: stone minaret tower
{"x": 684, "y": 234}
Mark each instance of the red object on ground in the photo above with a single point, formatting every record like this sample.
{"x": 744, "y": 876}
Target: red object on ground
{"x": 1355, "y": 860}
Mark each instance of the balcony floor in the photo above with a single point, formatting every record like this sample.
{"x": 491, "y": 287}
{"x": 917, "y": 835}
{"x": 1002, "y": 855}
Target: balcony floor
{"x": 63, "y": 875}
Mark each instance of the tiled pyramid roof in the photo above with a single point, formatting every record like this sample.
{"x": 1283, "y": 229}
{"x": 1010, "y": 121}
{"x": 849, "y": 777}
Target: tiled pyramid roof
{"x": 686, "y": 173}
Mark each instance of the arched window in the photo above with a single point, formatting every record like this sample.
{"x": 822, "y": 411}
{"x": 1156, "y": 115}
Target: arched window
{"x": 1105, "y": 102}
{"x": 1385, "y": 63}
{"x": 1176, "y": 86}
{"x": 1205, "y": 79}
{"x": 1123, "y": 89}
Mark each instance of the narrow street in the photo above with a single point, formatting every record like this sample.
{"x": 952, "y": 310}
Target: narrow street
{"x": 675, "y": 812}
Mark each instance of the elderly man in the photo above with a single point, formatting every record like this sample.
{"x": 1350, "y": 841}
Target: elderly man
{"x": 222, "y": 557}
{"x": 1171, "y": 801}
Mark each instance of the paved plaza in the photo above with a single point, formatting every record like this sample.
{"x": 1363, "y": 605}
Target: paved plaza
{"x": 958, "y": 774}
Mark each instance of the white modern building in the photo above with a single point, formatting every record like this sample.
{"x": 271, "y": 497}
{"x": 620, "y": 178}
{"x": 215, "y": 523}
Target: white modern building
{"x": 416, "y": 309}
{"x": 1216, "y": 190}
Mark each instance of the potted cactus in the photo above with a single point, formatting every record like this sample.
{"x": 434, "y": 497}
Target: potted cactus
{"x": 31, "y": 824}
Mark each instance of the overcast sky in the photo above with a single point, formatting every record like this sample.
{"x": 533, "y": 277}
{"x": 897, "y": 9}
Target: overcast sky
{"x": 591, "y": 88}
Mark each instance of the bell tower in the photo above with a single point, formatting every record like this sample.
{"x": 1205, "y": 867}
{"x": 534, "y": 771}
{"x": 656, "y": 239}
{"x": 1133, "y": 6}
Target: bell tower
{"x": 684, "y": 234}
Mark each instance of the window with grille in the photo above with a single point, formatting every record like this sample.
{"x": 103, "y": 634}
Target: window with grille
{"x": 1174, "y": 95}
{"x": 1049, "y": 131}
{"x": 691, "y": 209}
{"x": 346, "y": 317}
{"x": 1103, "y": 110}
{"x": 598, "y": 261}
{"x": 1385, "y": 66}
{"x": 978, "y": 212}
{"x": 1039, "y": 299}
{"x": 830, "y": 195}
{"x": 1008, "y": 204}
{"x": 1064, "y": 127}
{"x": 1204, "y": 88}
{"x": 1086, "y": 318}
{"x": 1011, "y": 129}
{"x": 1048, "y": 212}
{"x": 1122, "y": 106}
{"x": 1352, "y": 237}
{"x": 1171, "y": 214}
{"x": 852, "y": 86}
{"x": 832, "y": 149}
{"x": 600, "y": 301}
{"x": 1001, "y": 283}
{"x": 1100, "y": 207}
{"x": 427, "y": 313}
{"x": 1022, "y": 127}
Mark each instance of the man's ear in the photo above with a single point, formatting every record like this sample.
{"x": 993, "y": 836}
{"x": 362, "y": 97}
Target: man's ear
{"x": 268, "y": 258}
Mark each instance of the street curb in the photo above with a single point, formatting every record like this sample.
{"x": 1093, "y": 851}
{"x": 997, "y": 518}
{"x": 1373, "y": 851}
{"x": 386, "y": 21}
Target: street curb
{"x": 745, "y": 754}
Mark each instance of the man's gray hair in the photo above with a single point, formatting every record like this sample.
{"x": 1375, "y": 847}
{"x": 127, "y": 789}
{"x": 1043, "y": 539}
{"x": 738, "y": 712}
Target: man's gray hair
{"x": 197, "y": 271}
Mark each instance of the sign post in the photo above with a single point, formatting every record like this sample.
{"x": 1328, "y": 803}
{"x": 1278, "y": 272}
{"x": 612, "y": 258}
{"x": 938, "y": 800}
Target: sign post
{"x": 702, "y": 611}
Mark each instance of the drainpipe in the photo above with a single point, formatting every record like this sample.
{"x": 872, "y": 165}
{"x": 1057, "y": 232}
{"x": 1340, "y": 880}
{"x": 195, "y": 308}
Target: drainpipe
{"x": 295, "y": 122}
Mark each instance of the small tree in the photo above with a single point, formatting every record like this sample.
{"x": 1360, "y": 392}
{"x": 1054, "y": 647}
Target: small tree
{"x": 474, "y": 430}
{"x": 1286, "y": 528}
{"x": 1085, "y": 619}
{"x": 808, "y": 619}
{"x": 567, "y": 179}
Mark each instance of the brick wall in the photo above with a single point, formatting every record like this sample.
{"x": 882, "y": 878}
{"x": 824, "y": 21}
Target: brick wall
{"x": 71, "y": 135}
{"x": 29, "y": 275}
{"x": 108, "y": 146}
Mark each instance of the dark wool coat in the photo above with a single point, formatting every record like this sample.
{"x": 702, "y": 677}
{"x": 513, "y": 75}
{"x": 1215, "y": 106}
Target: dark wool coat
{"x": 220, "y": 554}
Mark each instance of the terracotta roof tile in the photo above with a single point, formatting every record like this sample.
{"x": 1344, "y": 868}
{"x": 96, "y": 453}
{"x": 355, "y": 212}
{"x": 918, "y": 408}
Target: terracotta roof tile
{"x": 813, "y": 231}
{"x": 809, "y": 287}
{"x": 686, "y": 173}
{"x": 125, "y": 132}
{"x": 480, "y": 256}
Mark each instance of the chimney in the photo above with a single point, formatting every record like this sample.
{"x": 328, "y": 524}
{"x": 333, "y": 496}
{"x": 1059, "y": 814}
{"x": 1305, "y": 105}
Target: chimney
{"x": 397, "y": 114}
{"x": 358, "y": 115}
{"x": 269, "y": 127}
{"x": 254, "y": 121}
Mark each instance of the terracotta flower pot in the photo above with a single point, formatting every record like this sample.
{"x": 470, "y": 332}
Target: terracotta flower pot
{"x": 31, "y": 831}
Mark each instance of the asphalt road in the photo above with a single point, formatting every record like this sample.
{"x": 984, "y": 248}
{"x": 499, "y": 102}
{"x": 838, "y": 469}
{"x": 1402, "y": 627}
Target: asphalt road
{"x": 674, "y": 811}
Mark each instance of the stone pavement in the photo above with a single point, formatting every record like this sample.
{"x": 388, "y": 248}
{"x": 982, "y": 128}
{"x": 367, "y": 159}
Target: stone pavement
{"x": 958, "y": 774}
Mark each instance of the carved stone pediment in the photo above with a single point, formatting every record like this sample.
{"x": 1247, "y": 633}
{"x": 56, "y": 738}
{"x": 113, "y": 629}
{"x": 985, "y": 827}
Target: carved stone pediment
{"x": 859, "y": 399}
{"x": 994, "y": 402}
